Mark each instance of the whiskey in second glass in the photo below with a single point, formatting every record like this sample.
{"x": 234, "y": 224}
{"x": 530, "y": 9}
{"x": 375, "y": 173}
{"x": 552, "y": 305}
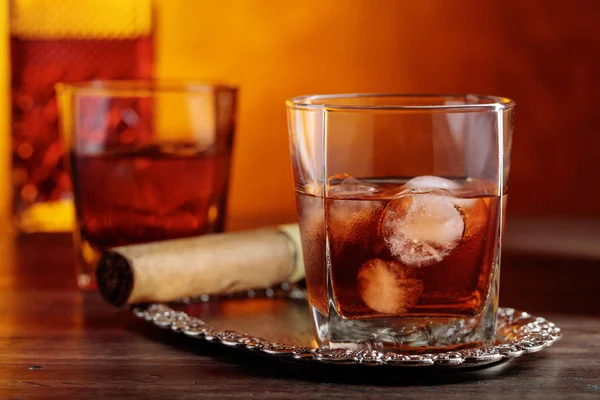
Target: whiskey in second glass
{"x": 149, "y": 160}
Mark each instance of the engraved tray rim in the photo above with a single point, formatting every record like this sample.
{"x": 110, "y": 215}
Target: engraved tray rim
{"x": 531, "y": 334}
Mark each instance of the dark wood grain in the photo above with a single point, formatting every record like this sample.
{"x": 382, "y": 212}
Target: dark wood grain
{"x": 56, "y": 342}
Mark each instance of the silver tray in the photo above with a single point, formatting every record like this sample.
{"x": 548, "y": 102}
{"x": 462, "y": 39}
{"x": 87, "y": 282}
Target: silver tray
{"x": 277, "y": 323}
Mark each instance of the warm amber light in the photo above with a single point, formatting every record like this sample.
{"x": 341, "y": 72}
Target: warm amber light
{"x": 275, "y": 50}
{"x": 66, "y": 19}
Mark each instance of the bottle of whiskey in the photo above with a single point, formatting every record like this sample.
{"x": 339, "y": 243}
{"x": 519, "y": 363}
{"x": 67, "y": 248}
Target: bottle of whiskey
{"x": 66, "y": 41}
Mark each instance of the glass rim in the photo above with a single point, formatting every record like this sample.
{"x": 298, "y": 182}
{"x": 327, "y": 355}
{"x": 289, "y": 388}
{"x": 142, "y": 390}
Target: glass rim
{"x": 488, "y": 103}
{"x": 143, "y": 87}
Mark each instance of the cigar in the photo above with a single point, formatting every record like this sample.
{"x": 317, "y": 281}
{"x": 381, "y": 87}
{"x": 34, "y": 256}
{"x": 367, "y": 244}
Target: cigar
{"x": 211, "y": 264}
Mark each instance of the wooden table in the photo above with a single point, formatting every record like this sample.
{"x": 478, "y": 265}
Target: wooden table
{"x": 58, "y": 342}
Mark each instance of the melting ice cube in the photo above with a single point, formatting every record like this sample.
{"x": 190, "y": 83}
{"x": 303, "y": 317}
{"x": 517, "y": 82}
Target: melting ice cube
{"x": 387, "y": 286}
{"x": 474, "y": 210}
{"x": 427, "y": 182}
{"x": 353, "y": 217}
{"x": 421, "y": 229}
{"x": 344, "y": 185}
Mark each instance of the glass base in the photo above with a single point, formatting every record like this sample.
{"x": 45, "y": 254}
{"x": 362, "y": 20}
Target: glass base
{"x": 405, "y": 334}
{"x": 55, "y": 216}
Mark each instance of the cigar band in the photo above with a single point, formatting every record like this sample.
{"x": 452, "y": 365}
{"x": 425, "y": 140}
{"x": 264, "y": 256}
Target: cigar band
{"x": 292, "y": 233}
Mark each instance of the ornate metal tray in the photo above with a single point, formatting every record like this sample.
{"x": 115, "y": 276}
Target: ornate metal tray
{"x": 277, "y": 323}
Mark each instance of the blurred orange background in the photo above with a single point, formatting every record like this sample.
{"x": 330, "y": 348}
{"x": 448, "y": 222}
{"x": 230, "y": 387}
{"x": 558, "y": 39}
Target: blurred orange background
{"x": 543, "y": 54}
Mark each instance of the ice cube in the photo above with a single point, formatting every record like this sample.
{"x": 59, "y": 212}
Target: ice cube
{"x": 353, "y": 217}
{"x": 427, "y": 182}
{"x": 353, "y": 223}
{"x": 461, "y": 190}
{"x": 387, "y": 286}
{"x": 473, "y": 204}
{"x": 421, "y": 229}
{"x": 475, "y": 212}
{"x": 344, "y": 185}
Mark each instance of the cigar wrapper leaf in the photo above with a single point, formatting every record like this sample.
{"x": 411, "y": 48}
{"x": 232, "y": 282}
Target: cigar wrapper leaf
{"x": 211, "y": 264}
